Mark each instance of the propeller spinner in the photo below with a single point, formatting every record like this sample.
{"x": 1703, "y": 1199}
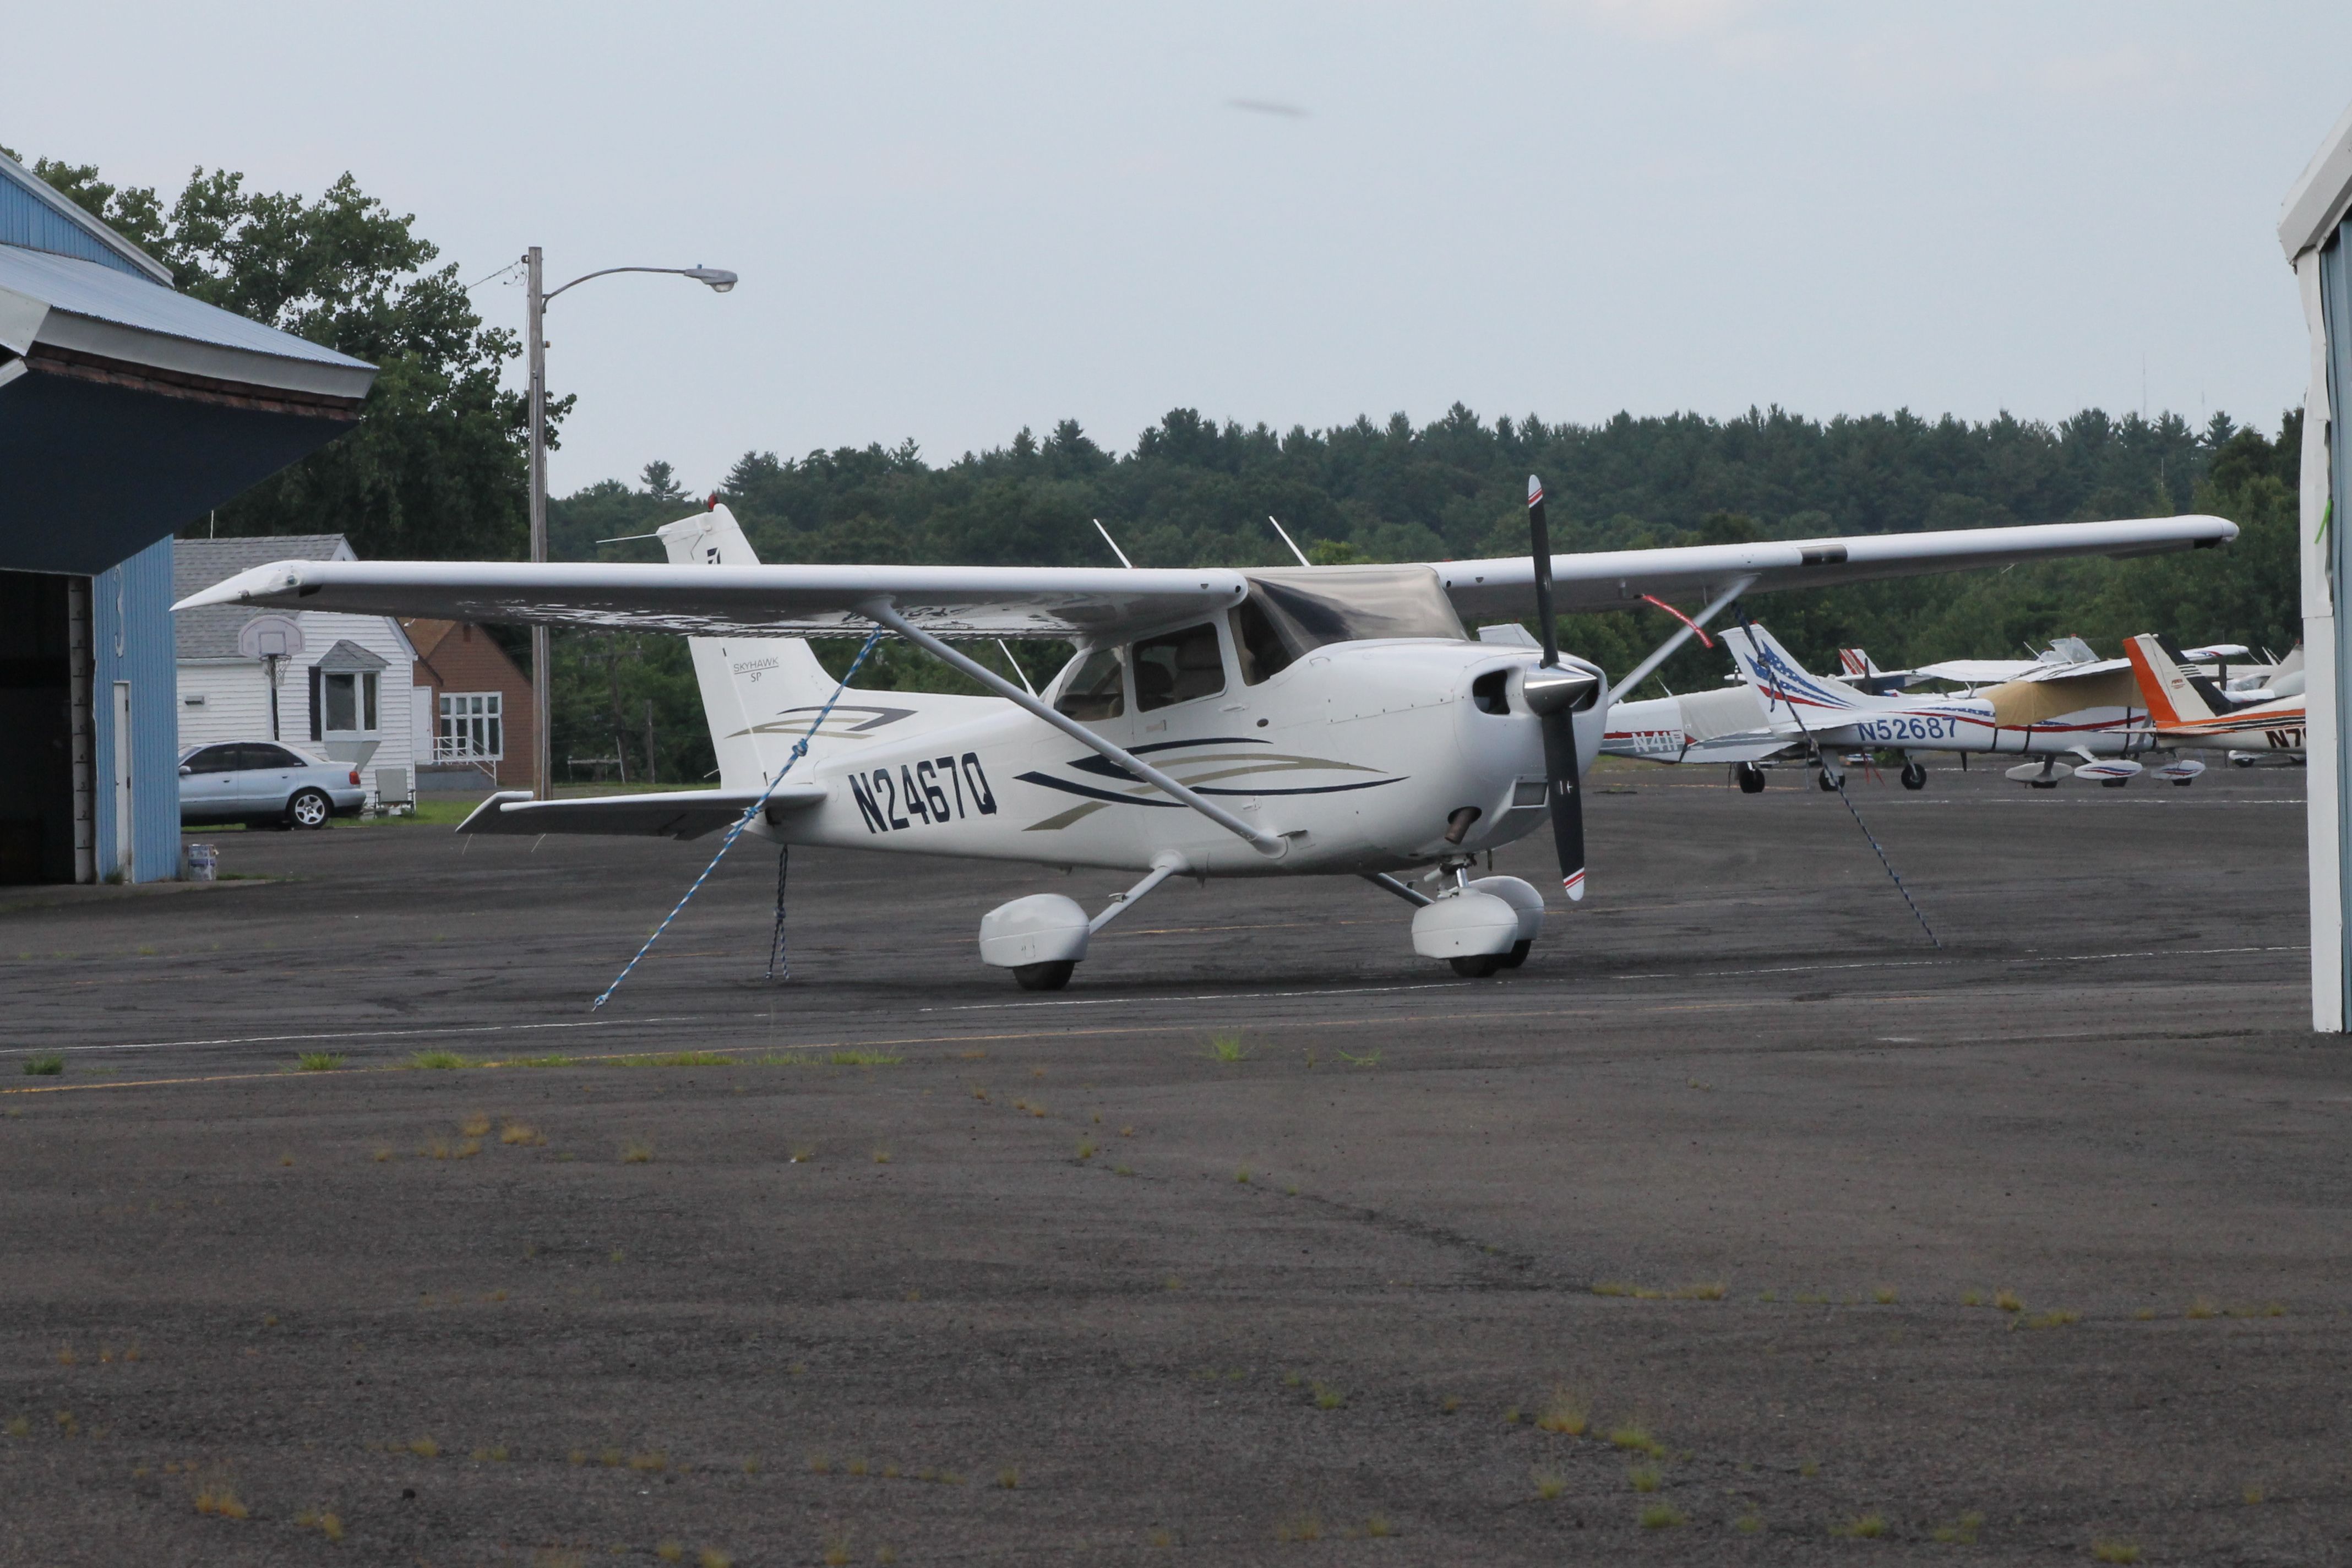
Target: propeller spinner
{"x": 1554, "y": 693}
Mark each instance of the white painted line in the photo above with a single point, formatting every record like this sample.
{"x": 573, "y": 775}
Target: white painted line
{"x": 375, "y": 1035}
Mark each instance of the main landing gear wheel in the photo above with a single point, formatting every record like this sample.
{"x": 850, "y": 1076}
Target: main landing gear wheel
{"x": 309, "y": 808}
{"x": 1516, "y": 956}
{"x": 1044, "y": 976}
{"x": 1749, "y": 776}
{"x": 1828, "y": 782}
{"x": 1914, "y": 775}
{"x": 1479, "y": 965}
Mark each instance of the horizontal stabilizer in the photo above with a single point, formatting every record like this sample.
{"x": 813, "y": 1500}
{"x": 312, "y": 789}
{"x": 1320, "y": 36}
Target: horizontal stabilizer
{"x": 670, "y": 814}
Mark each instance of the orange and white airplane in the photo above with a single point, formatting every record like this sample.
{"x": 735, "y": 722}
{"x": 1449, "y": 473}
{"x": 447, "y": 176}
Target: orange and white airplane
{"x": 2193, "y": 709}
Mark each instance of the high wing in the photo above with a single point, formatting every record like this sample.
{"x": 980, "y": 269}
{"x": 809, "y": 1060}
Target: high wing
{"x": 1617, "y": 579}
{"x": 1095, "y": 603}
{"x": 677, "y": 814}
{"x": 954, "y": 602}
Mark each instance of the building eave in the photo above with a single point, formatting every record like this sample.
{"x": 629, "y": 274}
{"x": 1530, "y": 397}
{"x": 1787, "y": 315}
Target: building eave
{"x": 2321, "y": 196}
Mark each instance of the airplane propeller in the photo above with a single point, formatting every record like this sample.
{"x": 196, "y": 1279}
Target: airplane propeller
{"x": 1554, "y": 693}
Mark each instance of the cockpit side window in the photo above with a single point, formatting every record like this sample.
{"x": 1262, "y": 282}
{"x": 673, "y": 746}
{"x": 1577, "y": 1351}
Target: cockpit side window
{"x": 1094, "y": 688}
{"x": 1256, "y": 645}
{"x": 1178, "y": 667}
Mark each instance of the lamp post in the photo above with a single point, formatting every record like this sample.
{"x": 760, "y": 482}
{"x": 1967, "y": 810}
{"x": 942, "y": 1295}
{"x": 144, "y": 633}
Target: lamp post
{"x": 719, "y": 281}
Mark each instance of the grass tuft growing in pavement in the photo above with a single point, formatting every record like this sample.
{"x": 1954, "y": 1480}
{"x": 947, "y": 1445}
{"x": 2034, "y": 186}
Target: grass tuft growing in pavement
{"x": 1563, "y": 1413}
{"x": 1634, "y": 1437}
{"x": 318, "y": 1061}
{"x": 1549, "y": 1484}
{"x": 1862, "y": 1527}
{"x": 1962, "y": 1531}
{"x": 1299, "y": 1527}
{"x": 680, "y": 1059}
{"x": 1227, "y": 1049}
{"x": 2114, "y": 1552}
{"x": 864, "y": 1059}
{"x": 636, "y": 1151}
{"x": 439, "y": 1062}
{"x": 49, "y": 1066}
{"x": 1661, "y": 1516}
{"x": 1643, "y": 1478}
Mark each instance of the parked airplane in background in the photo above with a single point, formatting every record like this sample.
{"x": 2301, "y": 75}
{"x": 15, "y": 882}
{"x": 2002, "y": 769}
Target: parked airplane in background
{"x": 1318, "y": 720}
{"x": 2055, "y": 711}
{"x": 2194, "y": 709}
{"x": 1724, "y": 725}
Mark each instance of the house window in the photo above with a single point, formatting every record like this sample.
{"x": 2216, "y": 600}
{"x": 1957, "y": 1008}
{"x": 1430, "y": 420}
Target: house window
{"x": 473, "y": 729}
{"x": 349, "y": 699}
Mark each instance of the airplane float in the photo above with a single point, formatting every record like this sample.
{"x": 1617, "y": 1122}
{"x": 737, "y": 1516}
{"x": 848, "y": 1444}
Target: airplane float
{"x": 1333, "y": 720}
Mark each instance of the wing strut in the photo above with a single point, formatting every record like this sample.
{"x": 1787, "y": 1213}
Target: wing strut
{"x": 1272, "y": 846}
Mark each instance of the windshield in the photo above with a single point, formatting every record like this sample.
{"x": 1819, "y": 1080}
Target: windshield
{"x": 1308, "y": 608}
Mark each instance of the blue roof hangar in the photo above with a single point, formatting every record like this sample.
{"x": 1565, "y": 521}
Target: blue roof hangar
{"x": 127, "y": 410}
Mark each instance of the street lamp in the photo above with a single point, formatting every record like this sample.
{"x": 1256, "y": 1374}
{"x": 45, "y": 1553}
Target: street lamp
{"x": 719, "y": 281}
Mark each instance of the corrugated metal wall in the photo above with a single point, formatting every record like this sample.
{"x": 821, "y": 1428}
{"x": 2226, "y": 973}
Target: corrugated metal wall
{"x": 130, "y": 616}
{"x": 31, "y": 223}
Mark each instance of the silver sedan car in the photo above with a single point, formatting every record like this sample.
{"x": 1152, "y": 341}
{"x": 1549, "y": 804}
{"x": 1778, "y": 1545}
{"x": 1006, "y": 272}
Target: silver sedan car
{"x": 264, "y": 785}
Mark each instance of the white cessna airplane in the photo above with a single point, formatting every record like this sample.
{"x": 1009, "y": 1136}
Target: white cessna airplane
{"x": 1316, "y": 721}
{"x": 2041, "y": 722}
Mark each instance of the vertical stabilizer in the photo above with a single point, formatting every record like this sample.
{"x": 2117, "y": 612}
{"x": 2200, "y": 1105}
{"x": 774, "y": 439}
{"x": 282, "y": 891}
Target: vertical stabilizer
{"x": 1779, "y": 678}
{"x": 2170, "y": 693}
{"x": 745, "y": 680}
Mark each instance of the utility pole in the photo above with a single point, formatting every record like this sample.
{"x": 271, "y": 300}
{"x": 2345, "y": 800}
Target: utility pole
{"x": 718, "y": 281}
{"x": 542, "y": 747}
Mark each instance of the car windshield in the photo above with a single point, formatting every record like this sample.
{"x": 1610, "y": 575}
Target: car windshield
{"x": 1309, "y": 606}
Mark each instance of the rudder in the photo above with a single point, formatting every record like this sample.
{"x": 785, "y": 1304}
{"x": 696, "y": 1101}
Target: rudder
{"x": 744, "y": 679}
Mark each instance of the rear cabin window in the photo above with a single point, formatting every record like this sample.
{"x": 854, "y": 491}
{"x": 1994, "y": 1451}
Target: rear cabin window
{"x": 1094, "y": 688}
{"x": 1181, "y": 667}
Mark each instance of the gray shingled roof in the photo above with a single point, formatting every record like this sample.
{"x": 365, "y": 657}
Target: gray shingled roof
{"x": 210, "y": 631}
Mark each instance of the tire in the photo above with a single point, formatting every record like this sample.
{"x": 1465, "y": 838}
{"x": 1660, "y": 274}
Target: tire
{"x": 1476, "y": 965}
{"x": 2042, "y": 783}
{"x": 2182, "y": 783}
{"x": 1517, "y": 955}
{"x": 1751, "y": 777}
{"x": 309, "y": 808}
{"x": 2112, "y": 784}
{"x": 1914, "y": 775}
{"x": 1828, "y": 782}
{"x": 1044, "y": 976}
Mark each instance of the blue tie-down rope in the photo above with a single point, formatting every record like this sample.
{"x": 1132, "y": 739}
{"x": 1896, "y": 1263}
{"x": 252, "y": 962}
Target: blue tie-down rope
{"x": 800, "y": 750}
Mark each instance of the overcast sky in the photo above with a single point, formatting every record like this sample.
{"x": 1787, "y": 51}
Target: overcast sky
{"x": 955, "y": 220}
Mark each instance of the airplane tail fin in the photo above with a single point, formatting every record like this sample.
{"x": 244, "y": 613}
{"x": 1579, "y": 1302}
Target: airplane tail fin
{"x": 1857, "y": 664}
{"x": 1779, "y": 678}
{"x": 2173, "y": 696}
{"x": 745, "y": 680}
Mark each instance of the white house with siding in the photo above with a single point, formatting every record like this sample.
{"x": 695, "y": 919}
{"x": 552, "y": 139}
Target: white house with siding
{"x": 347, "y": 696}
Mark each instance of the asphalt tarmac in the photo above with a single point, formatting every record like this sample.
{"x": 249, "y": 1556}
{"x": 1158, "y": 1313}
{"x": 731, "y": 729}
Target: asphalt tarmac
{"x": 1742, "y": 1224}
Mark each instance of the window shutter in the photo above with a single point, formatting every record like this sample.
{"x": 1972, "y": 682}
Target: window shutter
{"x": 316, "y": 733}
